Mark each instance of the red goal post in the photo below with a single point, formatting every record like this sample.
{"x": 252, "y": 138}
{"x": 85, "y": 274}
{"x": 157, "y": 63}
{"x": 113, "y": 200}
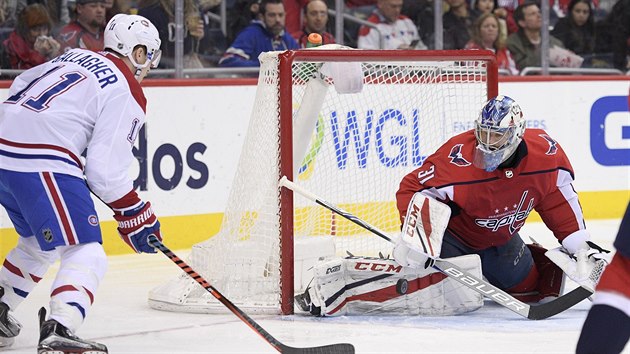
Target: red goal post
{"x": 350, "y": 148}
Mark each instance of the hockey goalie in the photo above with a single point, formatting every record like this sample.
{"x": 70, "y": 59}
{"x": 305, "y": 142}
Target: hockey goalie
{"x": 467, "y": 203}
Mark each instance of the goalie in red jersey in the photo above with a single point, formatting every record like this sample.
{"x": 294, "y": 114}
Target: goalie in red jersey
{"x": 492, "y": 177}
{"x": 472, "y": 196}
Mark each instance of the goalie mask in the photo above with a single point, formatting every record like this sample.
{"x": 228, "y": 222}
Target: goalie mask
{"x": 499, "y": 130}
{"x": 124, "y": 32}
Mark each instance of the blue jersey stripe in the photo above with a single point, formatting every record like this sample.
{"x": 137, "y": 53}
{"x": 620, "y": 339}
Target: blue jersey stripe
{"x": 38, "y": 156}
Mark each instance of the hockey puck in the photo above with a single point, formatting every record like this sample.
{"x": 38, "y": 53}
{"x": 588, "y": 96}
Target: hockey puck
{"x": 402, "y": 285}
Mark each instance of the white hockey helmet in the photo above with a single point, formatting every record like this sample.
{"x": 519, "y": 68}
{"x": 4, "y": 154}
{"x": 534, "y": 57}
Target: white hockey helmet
{"x": 499, "y": 130}
{"x": 124, "y": 32}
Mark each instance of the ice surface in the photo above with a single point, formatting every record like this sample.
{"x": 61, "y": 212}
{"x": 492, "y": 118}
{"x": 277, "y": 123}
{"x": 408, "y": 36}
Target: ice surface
{"x": 121, "y": 319}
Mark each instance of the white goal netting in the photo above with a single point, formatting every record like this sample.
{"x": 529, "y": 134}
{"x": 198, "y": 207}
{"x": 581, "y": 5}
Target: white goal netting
{"x": 350, "y": 149}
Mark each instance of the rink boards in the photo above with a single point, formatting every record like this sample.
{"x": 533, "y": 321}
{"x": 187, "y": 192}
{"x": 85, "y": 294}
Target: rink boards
{"x": 195, "y": 131}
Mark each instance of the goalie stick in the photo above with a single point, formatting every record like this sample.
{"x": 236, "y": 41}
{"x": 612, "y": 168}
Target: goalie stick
{"x": 340, "y": 348}
{"x": 532, "y": 312}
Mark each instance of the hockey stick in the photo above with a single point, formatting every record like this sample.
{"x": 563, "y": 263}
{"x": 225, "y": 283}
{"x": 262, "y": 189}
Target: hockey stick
{"x": 532, "y": 312}
{"x": 341, "y": 348}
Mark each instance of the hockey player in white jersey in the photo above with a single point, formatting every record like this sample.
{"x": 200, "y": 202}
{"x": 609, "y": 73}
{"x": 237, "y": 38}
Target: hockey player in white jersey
{"x": 80, "y": 102}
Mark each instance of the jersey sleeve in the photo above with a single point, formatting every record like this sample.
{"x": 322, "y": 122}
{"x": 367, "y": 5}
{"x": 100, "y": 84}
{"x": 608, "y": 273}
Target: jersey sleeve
{"x": 560, "y": 210}
{"x": 109, "y": 152}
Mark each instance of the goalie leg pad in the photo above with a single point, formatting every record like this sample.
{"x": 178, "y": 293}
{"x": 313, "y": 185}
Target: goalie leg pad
{"x": 360, "y": 286}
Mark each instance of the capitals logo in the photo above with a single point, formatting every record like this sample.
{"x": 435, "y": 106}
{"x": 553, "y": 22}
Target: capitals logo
{"x": 553, "y": 145}
{"x": 456, "y": 156}
{"x": 513, "y": 220}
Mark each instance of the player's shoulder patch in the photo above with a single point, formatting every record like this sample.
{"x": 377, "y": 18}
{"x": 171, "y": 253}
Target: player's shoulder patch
{"x": 541, "y": 143}
{"x": 553, "y": 145}
{"x": 456, "y": 157}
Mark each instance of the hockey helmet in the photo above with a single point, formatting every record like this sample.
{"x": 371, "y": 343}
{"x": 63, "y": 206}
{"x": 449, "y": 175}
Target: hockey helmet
{"x": 124, "y": 32}
{"x": 499, "y": 130}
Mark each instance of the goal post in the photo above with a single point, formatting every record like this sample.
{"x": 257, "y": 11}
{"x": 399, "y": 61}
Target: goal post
{"x": 346, "y": 124}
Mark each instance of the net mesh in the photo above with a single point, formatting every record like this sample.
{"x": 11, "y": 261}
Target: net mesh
{"x": 353, "y": 150}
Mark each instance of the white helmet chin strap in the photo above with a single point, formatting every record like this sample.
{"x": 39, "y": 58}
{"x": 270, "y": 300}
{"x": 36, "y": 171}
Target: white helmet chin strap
{"x": 138, "y": 67}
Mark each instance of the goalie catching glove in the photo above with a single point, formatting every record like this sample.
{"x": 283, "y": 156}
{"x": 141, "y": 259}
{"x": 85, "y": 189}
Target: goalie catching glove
{"x": 581, "y": 260}
{"x": 136, "y": 223}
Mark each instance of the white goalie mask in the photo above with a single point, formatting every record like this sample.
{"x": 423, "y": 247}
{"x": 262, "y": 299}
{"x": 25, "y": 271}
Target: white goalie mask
{"x": 124, "y": 32}
{"x": 499, "y": 130}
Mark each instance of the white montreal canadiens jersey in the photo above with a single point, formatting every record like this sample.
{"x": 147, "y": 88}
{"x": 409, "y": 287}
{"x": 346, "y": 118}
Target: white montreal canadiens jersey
{"x": 77, "y": 101}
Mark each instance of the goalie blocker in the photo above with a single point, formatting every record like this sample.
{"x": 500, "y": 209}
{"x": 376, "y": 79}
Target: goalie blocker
{"x": 363, "y": 285}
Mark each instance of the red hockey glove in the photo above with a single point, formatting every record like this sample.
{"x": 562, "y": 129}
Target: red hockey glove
{"x": 135, "y": 224}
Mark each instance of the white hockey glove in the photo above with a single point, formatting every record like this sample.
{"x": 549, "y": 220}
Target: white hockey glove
{"x": 407, "y": 257}
{"x": 420, "y": 241}
{"x": 584, "y": 265}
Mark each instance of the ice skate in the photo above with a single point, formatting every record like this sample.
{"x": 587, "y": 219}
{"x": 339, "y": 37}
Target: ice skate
{"x": 9, "y": 326}
{"x": 55, "y": 338}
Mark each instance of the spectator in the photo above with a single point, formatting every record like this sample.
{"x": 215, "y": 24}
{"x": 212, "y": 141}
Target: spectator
{"x": 9, "y": 11}
{"x": 315, "y": 21}
{"x": 30, "y": 45}
{"x": 421, "y": 13}
{"x": 486, "y": 35}
{"x": 240, "y": 16}
{"x": 491, "y": 6}
{"x": 361, "y": 9}
{"x": 115, "y": 7}
{"x": 613, "y": 35}
{"x": 161, "y": 14}
{"x": 395, "y": 31}
{"x": 509, "y": 6}
{"x": 577, "y": 29}
{"x": 60, "y": 12}
{"x": 458, "y": 23}
{"x": 525, "y": 44}
{"x": 262, "y": 35}
{"x": 293, "y": 14}
{"x": 86, "y": 31}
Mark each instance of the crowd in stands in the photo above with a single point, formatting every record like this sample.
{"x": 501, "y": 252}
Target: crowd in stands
{"x": 583, "y": 33}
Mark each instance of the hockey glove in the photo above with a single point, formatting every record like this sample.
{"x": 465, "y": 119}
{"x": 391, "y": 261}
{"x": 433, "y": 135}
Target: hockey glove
{"x": 136, "y": 224}
{"x": 597, "y": 253}
{"x": 585, "y": 266}
{"x": 407, "y": 257}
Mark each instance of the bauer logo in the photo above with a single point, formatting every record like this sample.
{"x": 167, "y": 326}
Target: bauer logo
{"x": 610, "y": 131}
{"x": 486, "y": 289}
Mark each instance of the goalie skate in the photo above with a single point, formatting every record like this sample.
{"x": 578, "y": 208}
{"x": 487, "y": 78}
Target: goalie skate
{"x": 55, "y": 338}
{"x": 9, "y": 326}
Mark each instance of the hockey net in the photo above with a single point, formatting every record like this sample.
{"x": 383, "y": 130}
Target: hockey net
{"x": 351, "y": 149}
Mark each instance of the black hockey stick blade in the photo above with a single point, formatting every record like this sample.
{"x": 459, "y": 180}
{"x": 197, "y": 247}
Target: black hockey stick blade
{"x": 341, "y": 348}
{"x": 564, "y": 302}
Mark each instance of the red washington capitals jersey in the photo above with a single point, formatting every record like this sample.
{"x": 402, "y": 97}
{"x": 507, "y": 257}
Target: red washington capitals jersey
{"x": 488, "y": 208}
